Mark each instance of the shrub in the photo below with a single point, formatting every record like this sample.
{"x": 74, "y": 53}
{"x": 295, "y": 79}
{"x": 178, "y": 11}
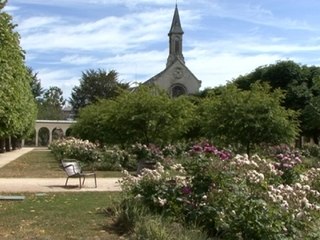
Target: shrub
{"x": 288, "y": 161}
{"x": 239, "y": 198}
{"x": 160, "y": 228}
{"x": 313, "y": 150}
{"x": 81, "y": 150}
{"x": 115, "y": 159}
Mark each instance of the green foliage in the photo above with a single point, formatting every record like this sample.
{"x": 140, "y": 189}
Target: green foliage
{"x": 133, "y": 219}
{"x": 311, "y": 150}
{"x": 51, "y": 104}
{"x": 159, "y": 228}
{"x": 90, "y": 124}
{"x": 146, "y": 115}
{"x": 248, "y": 117}
{"x": 301, "y": 85}
{"x": 96, "y": 85}
{"x": 311, "y": 115}
{"x": 104, "y": 159}
{"x": 127, "y": 214}
{"x": 278, "y": 75}
{"x": 35, "y": 84}
{"x": 2, "y": 3}
{"x": 17, "y": 106}
{"x": 239, "y": 198}
{"x": 115, "y": 159}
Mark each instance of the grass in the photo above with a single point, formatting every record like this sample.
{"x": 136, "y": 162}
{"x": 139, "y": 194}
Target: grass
{"x": 54, "y": 216}
{"x": 58, "y": 216}
{"x": 38, "y": 164}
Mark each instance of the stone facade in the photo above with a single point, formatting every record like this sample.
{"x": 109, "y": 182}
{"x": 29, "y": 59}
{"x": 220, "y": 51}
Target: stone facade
{"x": 176, "y": 78}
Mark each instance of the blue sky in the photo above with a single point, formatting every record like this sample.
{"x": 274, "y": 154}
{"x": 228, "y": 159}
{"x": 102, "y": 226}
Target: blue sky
{"x": 223, "y": 38}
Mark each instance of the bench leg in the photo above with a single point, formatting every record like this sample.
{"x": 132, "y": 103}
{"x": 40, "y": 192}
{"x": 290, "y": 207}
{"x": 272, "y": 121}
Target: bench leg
{"x": 84, "y": 178}
{"x": 66, "y": 182}
{"x": 79, "y": 182}
{"x": 95, "y": 180}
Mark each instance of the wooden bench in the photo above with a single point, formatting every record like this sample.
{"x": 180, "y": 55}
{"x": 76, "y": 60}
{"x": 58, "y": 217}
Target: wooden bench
{"x": 73, "y": 170}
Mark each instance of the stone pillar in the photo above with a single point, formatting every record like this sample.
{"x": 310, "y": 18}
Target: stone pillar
{"x": 50, "y": 136}
{"x": 37, "y": 137}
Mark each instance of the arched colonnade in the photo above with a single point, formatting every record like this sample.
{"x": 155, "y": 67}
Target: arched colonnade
{"x": 52, "y": 125}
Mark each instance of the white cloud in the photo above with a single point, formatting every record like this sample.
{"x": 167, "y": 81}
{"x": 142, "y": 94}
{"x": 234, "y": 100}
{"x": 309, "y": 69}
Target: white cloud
{"x": 10, "y": 8}
{"x": 114, "y": 34}
{"x": 215, "y": 70}
{"x": 137, "y": 67}
{"x": 62, "y": 78}
{"x": 49, "y": 77}
{"x": 78, "y": 59}
{"x": 256, "y": 14}
{"x": 35, "y": 23}
{"x": 128, "y": 3}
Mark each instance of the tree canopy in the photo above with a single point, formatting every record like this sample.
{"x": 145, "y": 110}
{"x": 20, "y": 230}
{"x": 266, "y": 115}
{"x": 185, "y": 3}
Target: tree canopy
{"x": 248, "y": 117}
{"x": 300, "y": 83}
{"x": 17, "y": 105}
{"x": 95, "y": 85}
{"x": 146, "y": 115}
{"x": 51, "y": 104}
{"x": 35, "y": 84}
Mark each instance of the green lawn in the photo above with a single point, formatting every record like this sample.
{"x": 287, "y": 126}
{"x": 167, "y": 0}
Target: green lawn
{"x": 54, "y": 216}
{"x": 58, "y": 216}
{"x": 38, "y": 164}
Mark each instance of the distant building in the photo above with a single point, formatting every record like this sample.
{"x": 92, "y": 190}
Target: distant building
{"x": 68, "y": 113}
{"x": 176, "y": 78}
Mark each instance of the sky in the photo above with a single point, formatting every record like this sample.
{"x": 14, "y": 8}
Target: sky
{"x": 222, "y": 40}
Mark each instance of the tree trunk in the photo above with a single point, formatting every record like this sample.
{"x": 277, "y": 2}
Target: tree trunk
{"x": 8, "y": 144}
{"x": 14, "y": 143}
{"x": 315, "y": 138}
{"x": 248, "y": 149}
{"x": 2, "y": 144}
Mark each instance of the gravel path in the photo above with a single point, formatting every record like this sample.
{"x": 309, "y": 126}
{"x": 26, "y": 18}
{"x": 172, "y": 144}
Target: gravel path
{"x": 50, "y": 184}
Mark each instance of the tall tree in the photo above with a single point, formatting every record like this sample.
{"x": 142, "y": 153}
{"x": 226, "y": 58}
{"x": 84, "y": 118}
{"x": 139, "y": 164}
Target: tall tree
{"x": 299, "y": 82}
{"x": 146, "y": 115}
{"x": 311, "y": 117}
{"x": 95, "y": 85}
{"x": 2, "y": 3}
{"x": 35, "y": 84}
{"x": 51, "y": 105}
{"x": 17, "y": 106}
{"x": 248, "y": 117}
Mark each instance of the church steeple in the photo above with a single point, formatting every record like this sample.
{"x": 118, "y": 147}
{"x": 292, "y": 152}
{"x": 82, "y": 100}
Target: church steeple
{"x": 175, "y": 39}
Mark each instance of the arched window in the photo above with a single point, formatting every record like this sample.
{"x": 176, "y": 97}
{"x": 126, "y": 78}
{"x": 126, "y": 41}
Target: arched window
{"x": 178, "y": 90}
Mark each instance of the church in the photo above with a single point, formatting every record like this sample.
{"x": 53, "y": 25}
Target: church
{"x": 176, "y": 78}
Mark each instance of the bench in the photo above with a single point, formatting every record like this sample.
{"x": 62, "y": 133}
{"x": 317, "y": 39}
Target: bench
{"x": 73, "y": 169}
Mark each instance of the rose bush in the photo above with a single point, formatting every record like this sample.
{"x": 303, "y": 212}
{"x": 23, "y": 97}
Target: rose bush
{"x": 227, "y": 196}
{"x": 71, "y": 147}
{"x": 236, "y": 198}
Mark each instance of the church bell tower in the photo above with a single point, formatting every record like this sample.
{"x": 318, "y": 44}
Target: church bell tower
{"x": 175, "y": 39}
{"x": 176, "y": 78}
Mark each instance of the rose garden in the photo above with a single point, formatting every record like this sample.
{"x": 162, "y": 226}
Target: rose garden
{"x": 234, "y": 173}
{"x": 210, "y": 192}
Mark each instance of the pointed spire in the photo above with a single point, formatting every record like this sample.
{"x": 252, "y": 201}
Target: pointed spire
{"x": 175, "y": 39}
{"x": 176, "y": 25}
